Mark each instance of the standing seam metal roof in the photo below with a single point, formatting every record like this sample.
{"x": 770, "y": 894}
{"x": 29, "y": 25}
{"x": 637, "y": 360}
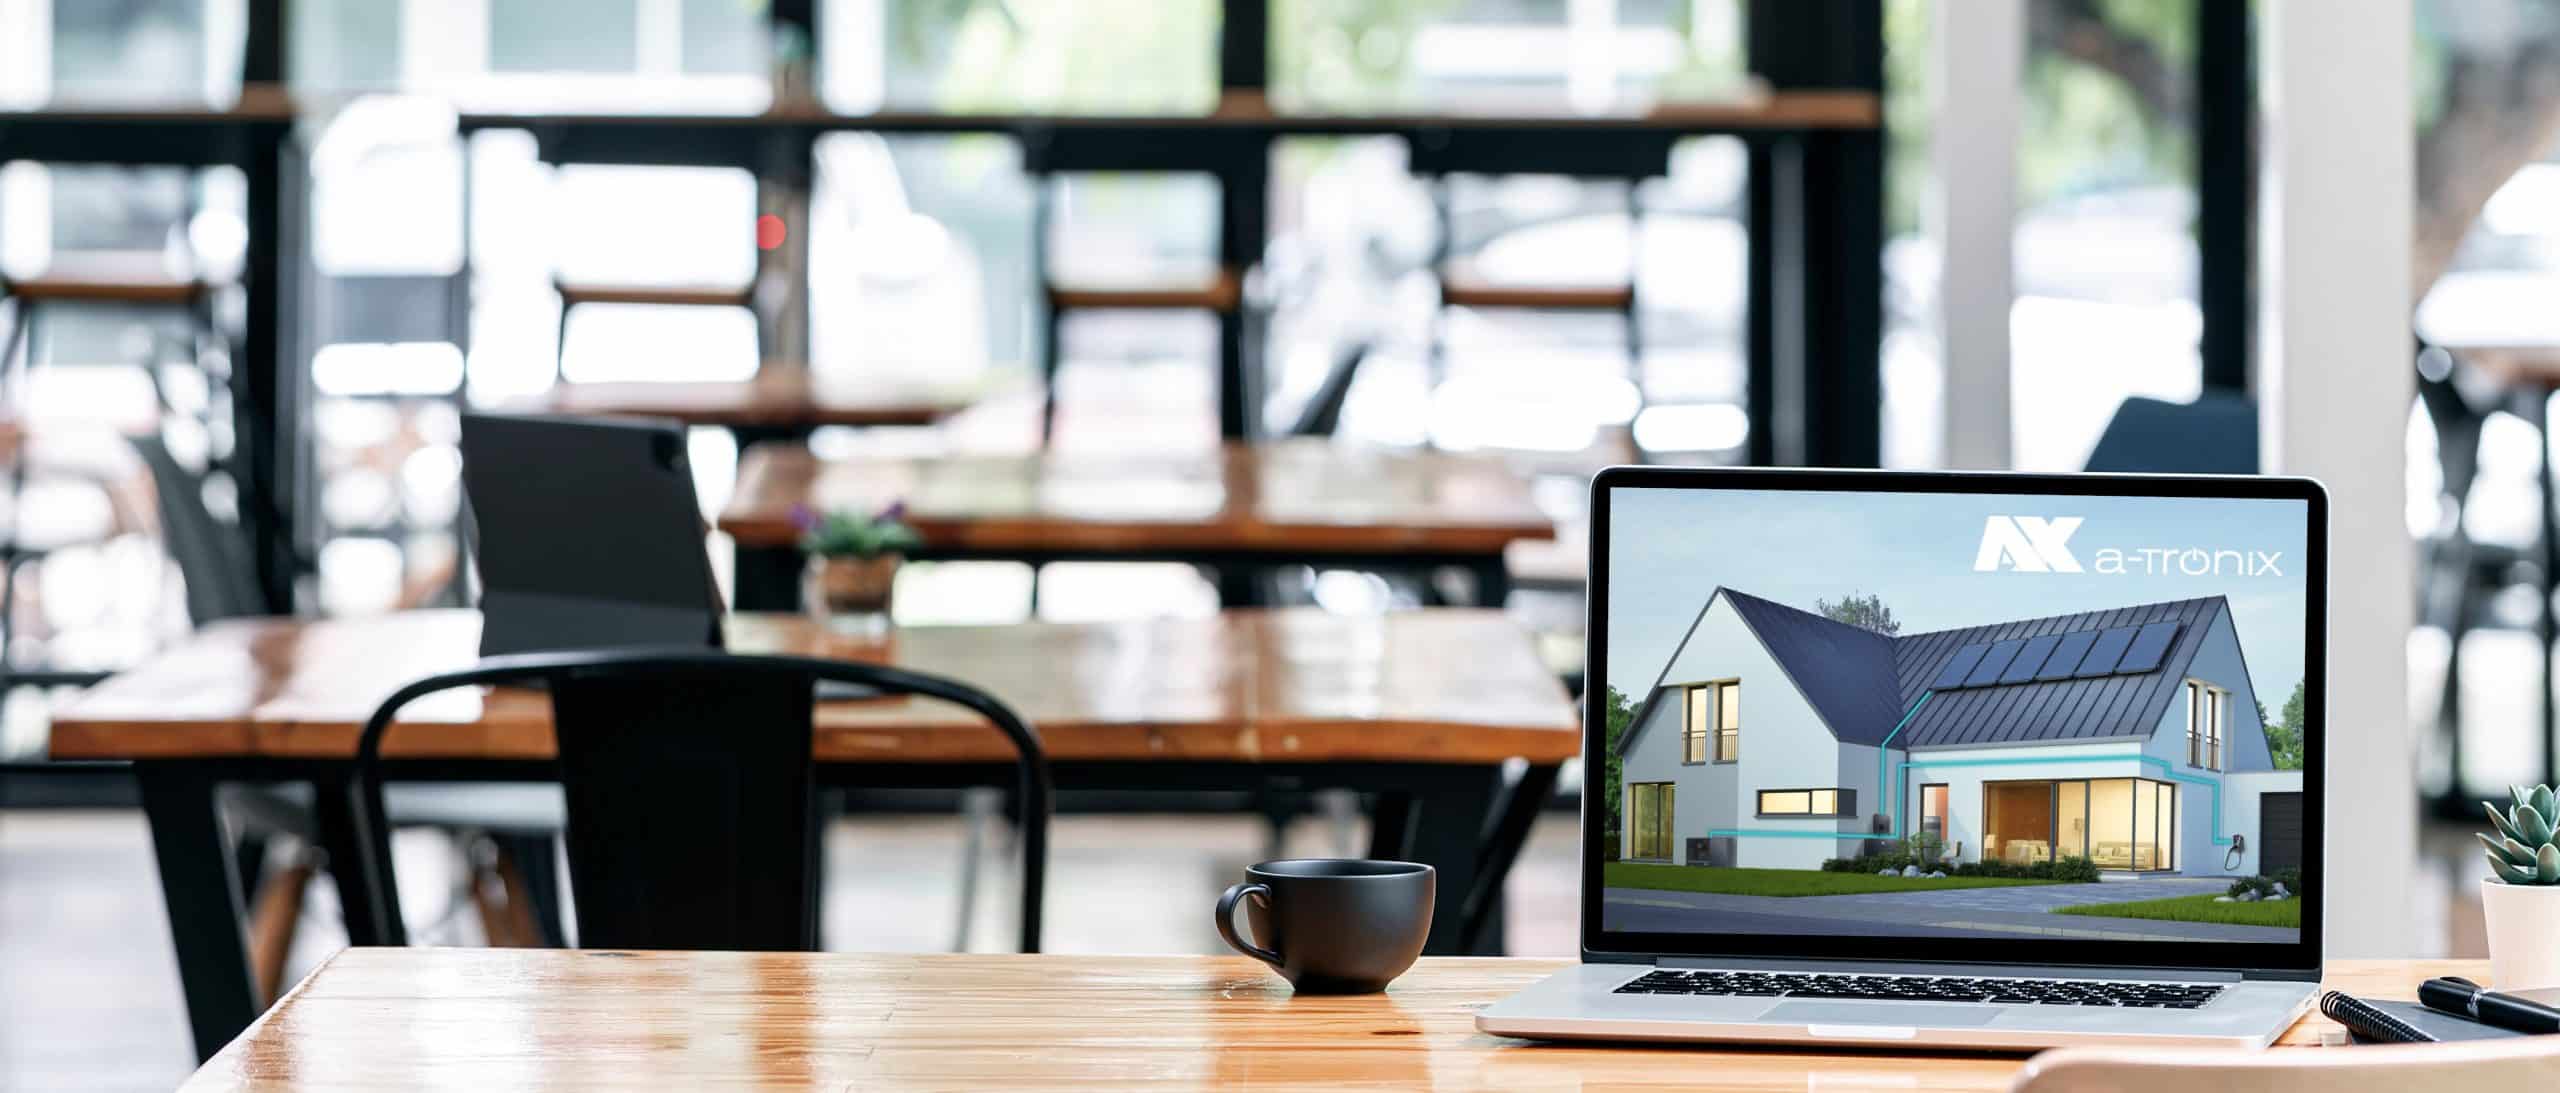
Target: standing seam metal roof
{"x": 1863, "y": 683}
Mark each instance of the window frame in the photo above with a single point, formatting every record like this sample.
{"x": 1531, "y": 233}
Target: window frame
{"x": 2208, "y": 725}
{"x": 1713, "y": 743}
{"x": 1844, "y": 803}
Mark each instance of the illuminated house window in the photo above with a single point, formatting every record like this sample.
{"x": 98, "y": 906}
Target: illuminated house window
{"x": 1808, "y": 802}
{"x": 1713, "y": 721}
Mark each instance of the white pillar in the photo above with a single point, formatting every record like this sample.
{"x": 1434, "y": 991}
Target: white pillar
{"x": 1980, "y": 47}
{"x": 2335, "y": 388}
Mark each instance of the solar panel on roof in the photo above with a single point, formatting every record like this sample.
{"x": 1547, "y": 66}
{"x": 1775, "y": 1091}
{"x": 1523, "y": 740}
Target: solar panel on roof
{"x": 2030, "y": 658}
{"x": 2150, "y": 645}
{"x": 1958, "y": 666}
{"x": 2065, "y": 658}
{"x": 2105, "y": 652}
{"x": 1994, "y": 662}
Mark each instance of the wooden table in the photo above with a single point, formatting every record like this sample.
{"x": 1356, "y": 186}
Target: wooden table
{"x": 499, "y": 1019}
{"x": 1302, "y": 501}
{"x": 1420, "y": 708}
{"x": 779, "y": 402}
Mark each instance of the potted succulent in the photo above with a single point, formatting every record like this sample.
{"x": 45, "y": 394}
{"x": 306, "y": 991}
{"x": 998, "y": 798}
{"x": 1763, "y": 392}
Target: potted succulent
{"x": 853, "y": 564}
{"x": 2522, "y": 896}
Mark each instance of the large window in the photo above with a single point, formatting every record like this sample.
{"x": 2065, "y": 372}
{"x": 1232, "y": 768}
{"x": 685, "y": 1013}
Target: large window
{"x": 2017, "y": 822}
{"x": 2119, "y": 823}
{"x": 1649, "y": 817}
{"x": 1808, "y": 802}
{"x": 2208, "y": 712}
{"x": 2133, "y": 823}
{"x": 1712, "y": 723}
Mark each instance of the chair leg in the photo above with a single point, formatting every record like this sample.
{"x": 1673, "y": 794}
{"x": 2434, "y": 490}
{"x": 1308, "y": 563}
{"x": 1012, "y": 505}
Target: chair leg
{"x": 249, "y": 851}
{"x": 20, "y": 318}
{"x": 9, "y": 588}
{"x": 1051, "y": 356}
{"x": 979, "y": 809}
{"x": 274, "y": 918}
{"x": 536, "y": 875}
{"x": 1634, "y": 314}
{"x": 560, "y": 347}
{"x": 506, "y": 914}
{"x": 1444, "y": 249}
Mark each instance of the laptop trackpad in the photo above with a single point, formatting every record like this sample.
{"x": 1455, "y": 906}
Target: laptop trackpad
{"x": 1902, "y": 1014}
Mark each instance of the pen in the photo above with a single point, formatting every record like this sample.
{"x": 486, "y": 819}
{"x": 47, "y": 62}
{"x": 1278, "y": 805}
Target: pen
{"x": 2464, "y": 998}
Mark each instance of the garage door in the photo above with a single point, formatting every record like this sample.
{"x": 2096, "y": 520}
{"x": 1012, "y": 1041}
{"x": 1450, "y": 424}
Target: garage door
{"x": 2280, "y": 829}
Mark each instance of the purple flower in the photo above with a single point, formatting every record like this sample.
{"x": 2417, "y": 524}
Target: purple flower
{"x": 896, "y": 511}
{"x": 803, "y": 519}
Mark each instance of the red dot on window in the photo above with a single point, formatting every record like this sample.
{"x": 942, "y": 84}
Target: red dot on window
{"x": 769, "y": 232}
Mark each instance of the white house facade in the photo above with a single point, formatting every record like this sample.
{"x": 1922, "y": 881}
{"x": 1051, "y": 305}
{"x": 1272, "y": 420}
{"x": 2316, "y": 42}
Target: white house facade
{"x": 1776, "y": 738}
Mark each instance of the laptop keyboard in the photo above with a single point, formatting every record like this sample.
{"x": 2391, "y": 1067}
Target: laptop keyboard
{"x": 1926, "y": 988}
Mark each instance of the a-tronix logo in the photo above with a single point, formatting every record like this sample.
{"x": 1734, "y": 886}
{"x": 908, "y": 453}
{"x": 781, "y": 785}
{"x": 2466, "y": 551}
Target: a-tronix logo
{"x": 2041, "y": 544}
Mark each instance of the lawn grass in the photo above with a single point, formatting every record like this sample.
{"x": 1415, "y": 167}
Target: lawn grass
{"x": 1783, "y": 882}
{"x": 2198, "y": 908}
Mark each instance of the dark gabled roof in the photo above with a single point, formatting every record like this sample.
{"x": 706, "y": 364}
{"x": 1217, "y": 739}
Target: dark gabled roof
{"x": 1847, "y": 672}
{"x": 1863, "y": 684}
{"x": 2105, "y": 707}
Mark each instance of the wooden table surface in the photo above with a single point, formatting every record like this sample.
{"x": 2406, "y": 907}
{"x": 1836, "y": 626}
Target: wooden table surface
{"x": 1292, "y": 495}
{"x": 1843, "y": 109}
{"x": 498, "y": 1019}
{"x": 1442, "y": 685}
{"x": 257, "y": 102}
{"x": 777, "y": 397}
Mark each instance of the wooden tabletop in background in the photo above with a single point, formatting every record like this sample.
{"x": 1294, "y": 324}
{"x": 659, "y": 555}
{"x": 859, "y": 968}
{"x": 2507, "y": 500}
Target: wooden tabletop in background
{"x": 1752, "y": 108}
{"x": 1310, "y": 495}
{"x": 500, "y": 1019}
{"x": 785, "y": 397}
{"x": 1300, "y": 685}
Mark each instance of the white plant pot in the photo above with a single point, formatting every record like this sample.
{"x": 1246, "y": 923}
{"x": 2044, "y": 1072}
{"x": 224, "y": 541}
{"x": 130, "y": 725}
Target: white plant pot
{"x": 2524, "y": 934}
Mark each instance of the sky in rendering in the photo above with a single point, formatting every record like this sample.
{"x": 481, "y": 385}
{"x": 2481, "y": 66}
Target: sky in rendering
{"x": 1670, "y": 549}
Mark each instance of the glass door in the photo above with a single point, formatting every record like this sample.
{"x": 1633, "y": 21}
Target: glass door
{"x": 1933, "y": 814}
{"x": 2111, "y": 842}
{"x": 2071, "y": 819}
{"x": 1649, "y": 814}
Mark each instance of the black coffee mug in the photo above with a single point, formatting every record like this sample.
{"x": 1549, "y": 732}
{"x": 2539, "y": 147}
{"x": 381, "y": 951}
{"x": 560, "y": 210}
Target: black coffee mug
{"x": 1333, "y": 925}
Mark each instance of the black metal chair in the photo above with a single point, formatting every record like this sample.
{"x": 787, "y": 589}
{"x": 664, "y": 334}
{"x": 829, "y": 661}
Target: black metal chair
{"x": 2215, "y": 434}
{"x": 692, "y": 808}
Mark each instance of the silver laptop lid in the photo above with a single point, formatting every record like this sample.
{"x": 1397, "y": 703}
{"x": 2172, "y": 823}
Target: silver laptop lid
{"x": 1955, "y": 718}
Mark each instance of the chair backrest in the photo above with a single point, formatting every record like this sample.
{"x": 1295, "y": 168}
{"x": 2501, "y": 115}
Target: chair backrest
{"x": 2215, "y": 434}
{"x": 2521, "y": 1063}
{"x": 212, "y": 558}
{"x": 692, "y": 821}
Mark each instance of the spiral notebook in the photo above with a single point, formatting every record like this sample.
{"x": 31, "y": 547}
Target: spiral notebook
{"x": 2377, "y": 1022}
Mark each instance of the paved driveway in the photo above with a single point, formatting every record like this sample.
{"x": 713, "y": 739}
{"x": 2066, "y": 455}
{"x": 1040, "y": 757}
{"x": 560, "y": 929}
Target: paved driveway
{"x": 2022, "y": 911}
{"x": 2034, "y": 897}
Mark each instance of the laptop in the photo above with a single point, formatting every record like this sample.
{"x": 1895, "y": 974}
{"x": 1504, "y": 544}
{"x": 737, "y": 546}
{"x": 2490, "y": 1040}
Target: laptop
{"x": 1995, "y": 761}
{"x": 587, "y": 533}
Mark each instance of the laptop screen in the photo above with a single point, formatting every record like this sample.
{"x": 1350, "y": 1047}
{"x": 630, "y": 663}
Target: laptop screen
{"x": 1909, "y": 711}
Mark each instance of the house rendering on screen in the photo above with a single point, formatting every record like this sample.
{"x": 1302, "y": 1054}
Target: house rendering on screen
{"x": 1778, "y": 738}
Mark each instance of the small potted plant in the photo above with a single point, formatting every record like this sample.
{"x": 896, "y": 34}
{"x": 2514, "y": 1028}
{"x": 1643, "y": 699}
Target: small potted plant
{"x": 2522, "y": 896}
{"x": 853, "y": 564}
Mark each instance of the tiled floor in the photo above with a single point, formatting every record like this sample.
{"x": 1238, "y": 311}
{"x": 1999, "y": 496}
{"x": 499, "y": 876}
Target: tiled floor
{"x": 89, "y": 994}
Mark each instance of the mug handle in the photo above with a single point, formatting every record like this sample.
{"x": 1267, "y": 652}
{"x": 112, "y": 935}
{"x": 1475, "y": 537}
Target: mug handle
{"x": 1227, "y": 920}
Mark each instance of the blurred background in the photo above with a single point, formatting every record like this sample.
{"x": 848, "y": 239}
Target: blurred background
{"x": 425, "y": 234}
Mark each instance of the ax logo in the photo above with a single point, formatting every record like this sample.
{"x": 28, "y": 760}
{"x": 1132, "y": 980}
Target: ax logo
{"x": 2027, "y": 544}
